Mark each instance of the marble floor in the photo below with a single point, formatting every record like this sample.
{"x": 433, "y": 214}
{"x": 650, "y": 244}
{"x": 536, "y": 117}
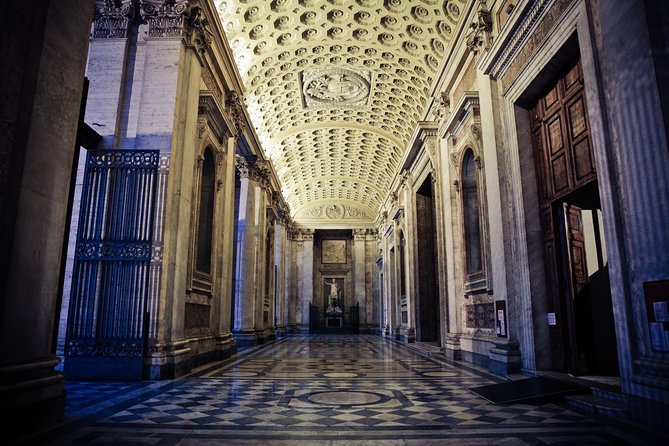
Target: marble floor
{"x": 324, "y": 390}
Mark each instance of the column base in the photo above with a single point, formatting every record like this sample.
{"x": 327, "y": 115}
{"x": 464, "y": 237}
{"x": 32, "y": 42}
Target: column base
{"x": 246, "y": 338}
{"x": 33, "y": 395}
{"x": 504, "y": 357}
{"x": 408, "y": 335}
{"x": 225, "y": 346}
{"x": 452, "y": 349}
{"x": 269, "y": 334}
{"x": 168, "y": 361}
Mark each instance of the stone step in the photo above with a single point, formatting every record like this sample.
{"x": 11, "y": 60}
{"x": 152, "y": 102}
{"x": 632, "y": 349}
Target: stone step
{"x": 598, "y": 405}
{"x": 610, "y": 395}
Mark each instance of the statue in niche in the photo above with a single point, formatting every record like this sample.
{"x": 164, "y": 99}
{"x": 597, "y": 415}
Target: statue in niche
{"x": 334, "y": 298}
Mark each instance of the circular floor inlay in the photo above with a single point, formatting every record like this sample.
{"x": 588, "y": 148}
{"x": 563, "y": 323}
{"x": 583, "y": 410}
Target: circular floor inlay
{"x": 340, "y": 375}
{"x": 344, "y": 398}
{"x": 238, "y": 374}
{"x": 435, "y": 374}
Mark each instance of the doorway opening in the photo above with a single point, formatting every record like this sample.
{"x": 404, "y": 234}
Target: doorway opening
{"x": 577, "y": 279}
{"x": 427, "y": 299}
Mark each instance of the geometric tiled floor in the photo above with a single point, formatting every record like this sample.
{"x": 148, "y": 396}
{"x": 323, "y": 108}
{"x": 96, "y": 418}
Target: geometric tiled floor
{"x": 324, "y": 390}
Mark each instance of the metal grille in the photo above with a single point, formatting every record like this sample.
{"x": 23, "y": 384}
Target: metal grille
{"x": 107, "y": 315}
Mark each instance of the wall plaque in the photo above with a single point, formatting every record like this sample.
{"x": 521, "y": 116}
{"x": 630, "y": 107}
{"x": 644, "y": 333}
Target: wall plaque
{"x": 481, "y": 315}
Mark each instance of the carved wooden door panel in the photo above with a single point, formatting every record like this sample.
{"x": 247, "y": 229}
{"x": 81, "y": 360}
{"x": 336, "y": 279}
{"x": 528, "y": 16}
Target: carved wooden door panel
{"x": 575, "y": 274}
{"x": 563, "y": 151}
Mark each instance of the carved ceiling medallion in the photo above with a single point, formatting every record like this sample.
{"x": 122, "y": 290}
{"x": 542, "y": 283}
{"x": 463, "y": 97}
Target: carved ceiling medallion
{"x": 335, "y": 87}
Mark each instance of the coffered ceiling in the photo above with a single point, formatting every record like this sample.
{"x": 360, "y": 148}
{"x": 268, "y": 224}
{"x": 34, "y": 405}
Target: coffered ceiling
{"x": 334, "y": 89}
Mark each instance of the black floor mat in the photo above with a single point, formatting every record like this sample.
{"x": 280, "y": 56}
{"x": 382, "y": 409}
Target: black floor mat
{"x": 526, "y": 389}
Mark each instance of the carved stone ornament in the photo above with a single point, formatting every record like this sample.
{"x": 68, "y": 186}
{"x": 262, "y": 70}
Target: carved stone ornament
{"x": 200, "y": 34}
{"x": 334, "y": 211}
{"x": 476, "y": 132}
{"x": 479, "y": 37}
{"x": 201, "y": 127}
{"x": 443, "y": 106}
{"x": 111, "y": 18}
{"x": 454, "y": 159}
{"x": 315, "y": 212}
{"x": 335, "y": 87}
{"x": 235, "y": 108}
{"x": 405, "y": 178}
{"x": 166, "y": 18}
{"x": 244, "y": 166}
{"x": 351, "y": 212}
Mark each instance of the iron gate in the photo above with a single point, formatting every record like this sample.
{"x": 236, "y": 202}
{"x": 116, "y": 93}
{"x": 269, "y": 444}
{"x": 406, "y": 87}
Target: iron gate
{"x": 107, "y": 322}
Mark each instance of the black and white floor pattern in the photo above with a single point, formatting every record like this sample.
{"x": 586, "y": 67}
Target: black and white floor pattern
{"x": 324, "y": 390}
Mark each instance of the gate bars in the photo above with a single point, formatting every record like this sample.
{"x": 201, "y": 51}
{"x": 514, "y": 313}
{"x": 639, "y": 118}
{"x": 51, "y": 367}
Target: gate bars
{"x": 107, "y": 315}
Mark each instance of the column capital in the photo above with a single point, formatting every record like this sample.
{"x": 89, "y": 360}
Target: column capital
{"x": 112, "y": 18}
{"x": 254, "y": 169}
{"x": 302, "y": 234}
{"x": 359, "y": 234}
{"x": 166, "y": 18}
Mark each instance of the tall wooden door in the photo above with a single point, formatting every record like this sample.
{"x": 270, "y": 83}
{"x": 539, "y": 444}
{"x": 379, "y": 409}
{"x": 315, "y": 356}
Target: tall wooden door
{"x": 564, "y": 165}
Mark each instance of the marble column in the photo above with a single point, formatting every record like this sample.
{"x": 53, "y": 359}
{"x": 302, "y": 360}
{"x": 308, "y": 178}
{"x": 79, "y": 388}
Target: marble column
{"x": 43, "y": 67}
{"x": 505, "y": 353}
{"x": 451, "y": 337}
{"x": 246, "y": 276}
{"x": 160, "y": 112}
{"x": 225, "y": 344}
{"x": 304, "y": 263}
{"x": 359, "y": 272}
{"x": 281, "y": 260}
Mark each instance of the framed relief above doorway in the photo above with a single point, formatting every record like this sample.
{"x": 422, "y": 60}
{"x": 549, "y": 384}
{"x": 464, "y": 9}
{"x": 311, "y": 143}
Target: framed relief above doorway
{"x": 333, "y": 251}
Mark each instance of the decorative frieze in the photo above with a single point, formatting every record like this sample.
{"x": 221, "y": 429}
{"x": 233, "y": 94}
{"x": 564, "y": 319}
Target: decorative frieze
{"x": 517, "y": 36}
{"x": 335, "y": 211}
{"x": 97, "y": 347}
